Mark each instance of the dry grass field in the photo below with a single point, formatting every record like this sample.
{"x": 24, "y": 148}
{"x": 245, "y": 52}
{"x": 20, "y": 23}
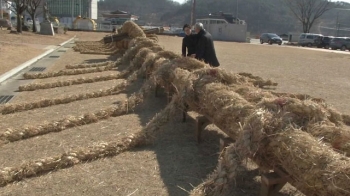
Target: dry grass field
{"x": 175, "y": 163}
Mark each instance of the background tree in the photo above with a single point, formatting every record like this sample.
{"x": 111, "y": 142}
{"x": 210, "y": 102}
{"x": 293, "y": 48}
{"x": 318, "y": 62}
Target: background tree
{"x": 308, "y": 11}
{"x": 19, "y": 7}
{"x": 32, "y": 8}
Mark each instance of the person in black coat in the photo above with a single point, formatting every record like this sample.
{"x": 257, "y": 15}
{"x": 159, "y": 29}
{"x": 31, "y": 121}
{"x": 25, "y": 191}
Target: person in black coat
{"x": 188, "y": 42}
{"x": 205, "y": 50}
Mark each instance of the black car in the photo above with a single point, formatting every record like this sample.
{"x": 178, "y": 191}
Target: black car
{"x": 270, "y": 38}
{"x": 325, "y": 42}
{"x": 342, "y": 43}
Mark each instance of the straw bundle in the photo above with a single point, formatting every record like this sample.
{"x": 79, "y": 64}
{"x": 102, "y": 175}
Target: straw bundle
{"x": 67, "y": 72}
{"x": 135, "y": 41}
{"x": 132, "y": 29}
{"x": 140, "y": 57}
{"x": 101, "y": 150}
{"x": 152, "y": 37}
{"x": 95, "y": 48}
{"x": 90, "y": 65}
{"x": 258, "y": 81}
{"x": 12, "y": 108}
{"x": 123, "y": 44}
{"x": 36, "y": 86}
{"x": 228, "y": 169}
{"x": 131, "y": 52}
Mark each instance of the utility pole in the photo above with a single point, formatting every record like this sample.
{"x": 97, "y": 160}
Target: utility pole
{"x": 337, "y": 33}
{"x": 80, "y": 8}
{"x": 193, "y": 11}
{"x": 73, "y": 1}
{"x": 237, "y": 10}
{"x": 1, "y": 11}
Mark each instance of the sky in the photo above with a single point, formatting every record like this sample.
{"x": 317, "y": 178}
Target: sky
{"x": 181, "y": 1}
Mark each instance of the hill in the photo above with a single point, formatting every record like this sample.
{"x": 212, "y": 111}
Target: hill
{"x": 260, "y": 15}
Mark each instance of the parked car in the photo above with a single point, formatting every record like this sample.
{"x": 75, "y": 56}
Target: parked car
{"x": 342, "y": 43}
{"x": 325, "y": 42}
{"x": 5, "y": 23}
{"x": 309, "y": 39}
{"x": 270, "y": 38}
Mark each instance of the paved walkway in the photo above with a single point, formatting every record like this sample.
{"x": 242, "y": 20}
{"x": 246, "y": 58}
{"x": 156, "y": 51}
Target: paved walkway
{"x": 9, "y": 88}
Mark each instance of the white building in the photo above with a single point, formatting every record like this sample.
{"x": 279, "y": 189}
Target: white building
{"x": 5, "y": 11}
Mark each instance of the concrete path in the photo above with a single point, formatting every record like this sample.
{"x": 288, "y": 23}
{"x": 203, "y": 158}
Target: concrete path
{"x": 10, "y": 81}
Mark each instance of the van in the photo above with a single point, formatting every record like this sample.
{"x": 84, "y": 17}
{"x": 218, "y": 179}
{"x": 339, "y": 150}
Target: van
{"x": 309, "y": 39}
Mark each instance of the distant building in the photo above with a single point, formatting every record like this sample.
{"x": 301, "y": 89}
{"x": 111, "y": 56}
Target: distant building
{"x": 5, "y": 10}
{"x": 118, "y": 17}
{"x": 115, "y": 19}
{"x": 225, "y": 27}
{"x": 67, "y": 10}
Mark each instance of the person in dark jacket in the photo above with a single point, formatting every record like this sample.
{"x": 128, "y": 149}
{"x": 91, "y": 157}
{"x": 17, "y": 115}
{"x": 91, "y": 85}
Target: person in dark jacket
{"x": 188, "y": 42}
{"x": 205, "y": 50}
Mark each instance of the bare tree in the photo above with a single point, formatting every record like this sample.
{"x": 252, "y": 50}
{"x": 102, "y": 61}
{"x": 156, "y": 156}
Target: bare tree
{"x": 308, "y": 11}
{"x": 32, "y": 7}
{"x": 19, "y": 7}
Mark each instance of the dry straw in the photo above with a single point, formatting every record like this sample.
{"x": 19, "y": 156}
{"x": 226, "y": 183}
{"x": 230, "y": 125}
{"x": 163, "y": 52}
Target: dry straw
{"x": 95, "y": 47}
{"x": 152, "y": 37}
{"x": 12, "y": 108}
{"x": 122, "y": 108}
{"x": 132, "y": 29}
{"x": 302, "y": 136}
{"x": 206, "y": 91}
{"x": 83, "y": 80}
{"x": 131, "y": 52}
{"x": 101, "y": 150}
{"x": 91, "y": 65}
{"x": 67, "y": 72}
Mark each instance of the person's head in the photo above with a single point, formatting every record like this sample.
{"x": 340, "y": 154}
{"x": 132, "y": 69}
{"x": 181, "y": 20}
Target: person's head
{"x": 198, "y": 27}
{"x": 187, "y": 29}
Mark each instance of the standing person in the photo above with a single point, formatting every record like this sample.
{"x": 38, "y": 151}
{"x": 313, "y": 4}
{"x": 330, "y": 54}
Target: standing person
{"x": 188, "y": 42}
{"x": 205, "y": 50}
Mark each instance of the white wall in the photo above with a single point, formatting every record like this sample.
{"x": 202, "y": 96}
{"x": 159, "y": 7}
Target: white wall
{"x": 227, "y": 32}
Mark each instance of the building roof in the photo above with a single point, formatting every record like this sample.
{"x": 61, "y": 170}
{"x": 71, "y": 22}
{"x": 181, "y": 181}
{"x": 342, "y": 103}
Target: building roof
{"x": 119, "y": 14}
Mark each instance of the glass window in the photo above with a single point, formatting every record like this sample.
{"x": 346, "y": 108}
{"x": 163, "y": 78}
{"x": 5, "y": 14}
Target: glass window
{"x": 309, "y": 37}
{"x": 302, "y": 37}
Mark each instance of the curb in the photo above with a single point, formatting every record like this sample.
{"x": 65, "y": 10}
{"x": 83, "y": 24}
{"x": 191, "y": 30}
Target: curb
{"x": 19, "y": 68}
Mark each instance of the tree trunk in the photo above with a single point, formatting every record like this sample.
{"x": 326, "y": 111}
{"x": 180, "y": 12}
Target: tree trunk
{"x": 34, "y": 23}
{"x": 19, "y": 23}
{"x": 305, "y": 30}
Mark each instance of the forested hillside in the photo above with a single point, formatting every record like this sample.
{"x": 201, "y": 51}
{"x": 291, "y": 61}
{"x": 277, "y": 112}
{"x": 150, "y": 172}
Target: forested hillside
{"x": 260, "y": 15}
